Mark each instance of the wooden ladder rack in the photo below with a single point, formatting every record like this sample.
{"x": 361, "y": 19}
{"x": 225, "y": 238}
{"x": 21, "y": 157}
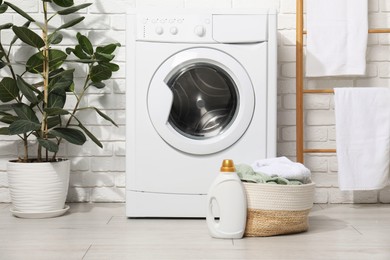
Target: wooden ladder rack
{"x": 300, "y": 91}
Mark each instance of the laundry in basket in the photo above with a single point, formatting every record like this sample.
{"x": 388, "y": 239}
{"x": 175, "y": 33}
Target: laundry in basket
{"x": 277, "y": 205}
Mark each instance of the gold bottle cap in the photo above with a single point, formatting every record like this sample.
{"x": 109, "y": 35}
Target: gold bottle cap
{"x": 228, "y": 166}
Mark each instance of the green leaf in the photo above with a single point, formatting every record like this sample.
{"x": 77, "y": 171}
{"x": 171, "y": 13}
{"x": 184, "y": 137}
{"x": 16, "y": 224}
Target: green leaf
{"x": 25, "y": 112}
{"x": 56, "y": 98}
{"x": 99, "y": 73}
{"x": 5, "y": 107}
{"x": 85, "y": 44}
{"x": 73, "y": 9}
{"x": 6, "y": 26}
{"x": 23, "y": 126}
{"x": 79, "y": 53}
{"x": 64, "y": 3}
{"x": 84, "y": 61}
{"x": 104, "y": 57}
{"x": 19, "y": 11}
{"x": 55, "y": 38}
{"x": 8, "y": 89}
{"x": 71, "y": 23}
{"x": 26, "y": 24}
{"x": 103, "y": 115}
{"x": 62, "y": 80}
{"x": 56, "y": 72}
{"x": 108, "y": 49}
{"x": 112, "y": 66}
{"x": 49, "y": 145}
{"x": 90, "y": 135}
{"x": 3, "y": 8}
{"x": 71, "y": 135}
{"x": 35, "y": 63}
{"x": 29, "y": 37}
{"x": 71, "y": 88}
{"x": 69, "y": 50}
{"x": 4, "y": 131}
{"x": 9, "y": 119}
{"x": 97, "y": 84}
{"x": 26, "y": 90}
{"x": 53, "y": 121}
{"x": 56, "y": 111}
{"x": 2, "y": 113}
{"x": 56, "y": 58}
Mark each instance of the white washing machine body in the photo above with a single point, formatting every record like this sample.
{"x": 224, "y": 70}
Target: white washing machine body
{"x": 201, "y": 87}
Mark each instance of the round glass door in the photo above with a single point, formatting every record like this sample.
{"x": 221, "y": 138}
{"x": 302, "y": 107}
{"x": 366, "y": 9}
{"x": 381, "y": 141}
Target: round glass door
{"x": 205, "y": 101}
{"x": 200, "y": 101}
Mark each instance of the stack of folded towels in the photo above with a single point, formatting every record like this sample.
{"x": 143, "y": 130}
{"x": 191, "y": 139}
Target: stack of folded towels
{"x": 274, "y": 171}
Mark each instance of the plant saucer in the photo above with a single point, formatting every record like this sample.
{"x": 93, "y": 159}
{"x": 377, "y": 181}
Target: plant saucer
{"x": 46, "y": 214}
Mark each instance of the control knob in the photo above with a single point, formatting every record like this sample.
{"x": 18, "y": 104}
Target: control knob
{"x": 174, "y": 30}
{"x": 159, "y": 30}
{"x": 200, "y": 30}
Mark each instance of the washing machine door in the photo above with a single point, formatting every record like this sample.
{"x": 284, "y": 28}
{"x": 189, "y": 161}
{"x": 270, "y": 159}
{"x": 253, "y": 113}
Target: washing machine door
{"x": 201, "y": 101}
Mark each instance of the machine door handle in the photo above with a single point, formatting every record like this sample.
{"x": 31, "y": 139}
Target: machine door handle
{"x": 160, "y": 98}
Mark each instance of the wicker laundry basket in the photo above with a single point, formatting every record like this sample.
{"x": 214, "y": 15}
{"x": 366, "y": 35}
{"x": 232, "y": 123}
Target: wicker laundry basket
{"x": 277, "y": 209}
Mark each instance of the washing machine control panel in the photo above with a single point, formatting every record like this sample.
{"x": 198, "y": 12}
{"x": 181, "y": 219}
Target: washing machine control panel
{"x": 174, "y": 28}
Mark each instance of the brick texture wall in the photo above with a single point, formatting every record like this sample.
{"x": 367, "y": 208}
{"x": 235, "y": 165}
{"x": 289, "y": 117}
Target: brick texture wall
{"x": 98, "y": 175}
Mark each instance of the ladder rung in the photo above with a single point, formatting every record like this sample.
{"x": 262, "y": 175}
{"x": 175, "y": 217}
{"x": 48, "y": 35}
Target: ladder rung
{"x": 319, "y": 91}
{"x": 319, "y": 150}
{"x": 378, "y": 30}
{"x": 300, "y": 91}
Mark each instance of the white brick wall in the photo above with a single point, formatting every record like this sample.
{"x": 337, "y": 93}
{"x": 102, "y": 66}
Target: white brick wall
{"x": 99, "y": 175}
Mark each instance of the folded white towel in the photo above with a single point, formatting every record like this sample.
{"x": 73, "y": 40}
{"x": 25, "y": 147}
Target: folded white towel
{"x": 283, "y": 167}
{"x": 337, "y": 32}
{"x": 363, "y": 137}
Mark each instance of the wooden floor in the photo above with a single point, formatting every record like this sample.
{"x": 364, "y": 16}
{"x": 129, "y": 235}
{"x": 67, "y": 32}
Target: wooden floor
{"x": 101, "y": 231}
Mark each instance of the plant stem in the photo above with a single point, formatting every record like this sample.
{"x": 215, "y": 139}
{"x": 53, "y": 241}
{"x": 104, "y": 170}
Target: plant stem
{"x": 85, "y": 87}
{"x": 25, "y": 144}
{"x": 45, "y": 76}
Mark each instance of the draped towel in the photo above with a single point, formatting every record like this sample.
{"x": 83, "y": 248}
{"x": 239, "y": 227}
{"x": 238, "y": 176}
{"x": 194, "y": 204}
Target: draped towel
{"x": 337, "y": 32}
{"x": 363, "y": 137}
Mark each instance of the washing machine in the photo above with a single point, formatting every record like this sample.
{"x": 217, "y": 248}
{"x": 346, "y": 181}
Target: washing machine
{"x": 201, "y": 87}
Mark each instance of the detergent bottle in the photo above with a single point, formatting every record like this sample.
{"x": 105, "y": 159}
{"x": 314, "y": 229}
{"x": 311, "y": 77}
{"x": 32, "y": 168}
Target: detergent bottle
{"x": 228, "y": 197}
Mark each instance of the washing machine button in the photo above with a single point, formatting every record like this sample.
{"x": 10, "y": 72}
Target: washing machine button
{"x": 159, "y": 30}
{"x": 200, "y": 30}
{"x": 174, "y": 30}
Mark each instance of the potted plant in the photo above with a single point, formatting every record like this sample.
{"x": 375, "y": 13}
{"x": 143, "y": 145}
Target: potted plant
{"x": 33, "y": 96}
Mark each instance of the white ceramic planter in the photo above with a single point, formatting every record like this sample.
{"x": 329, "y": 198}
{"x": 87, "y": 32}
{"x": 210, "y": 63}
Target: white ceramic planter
{"x": 38, "y": 189}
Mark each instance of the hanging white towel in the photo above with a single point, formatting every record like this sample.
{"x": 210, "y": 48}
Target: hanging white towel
{"x": 363, "y": 137}
{"x": 337, "y": 32}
